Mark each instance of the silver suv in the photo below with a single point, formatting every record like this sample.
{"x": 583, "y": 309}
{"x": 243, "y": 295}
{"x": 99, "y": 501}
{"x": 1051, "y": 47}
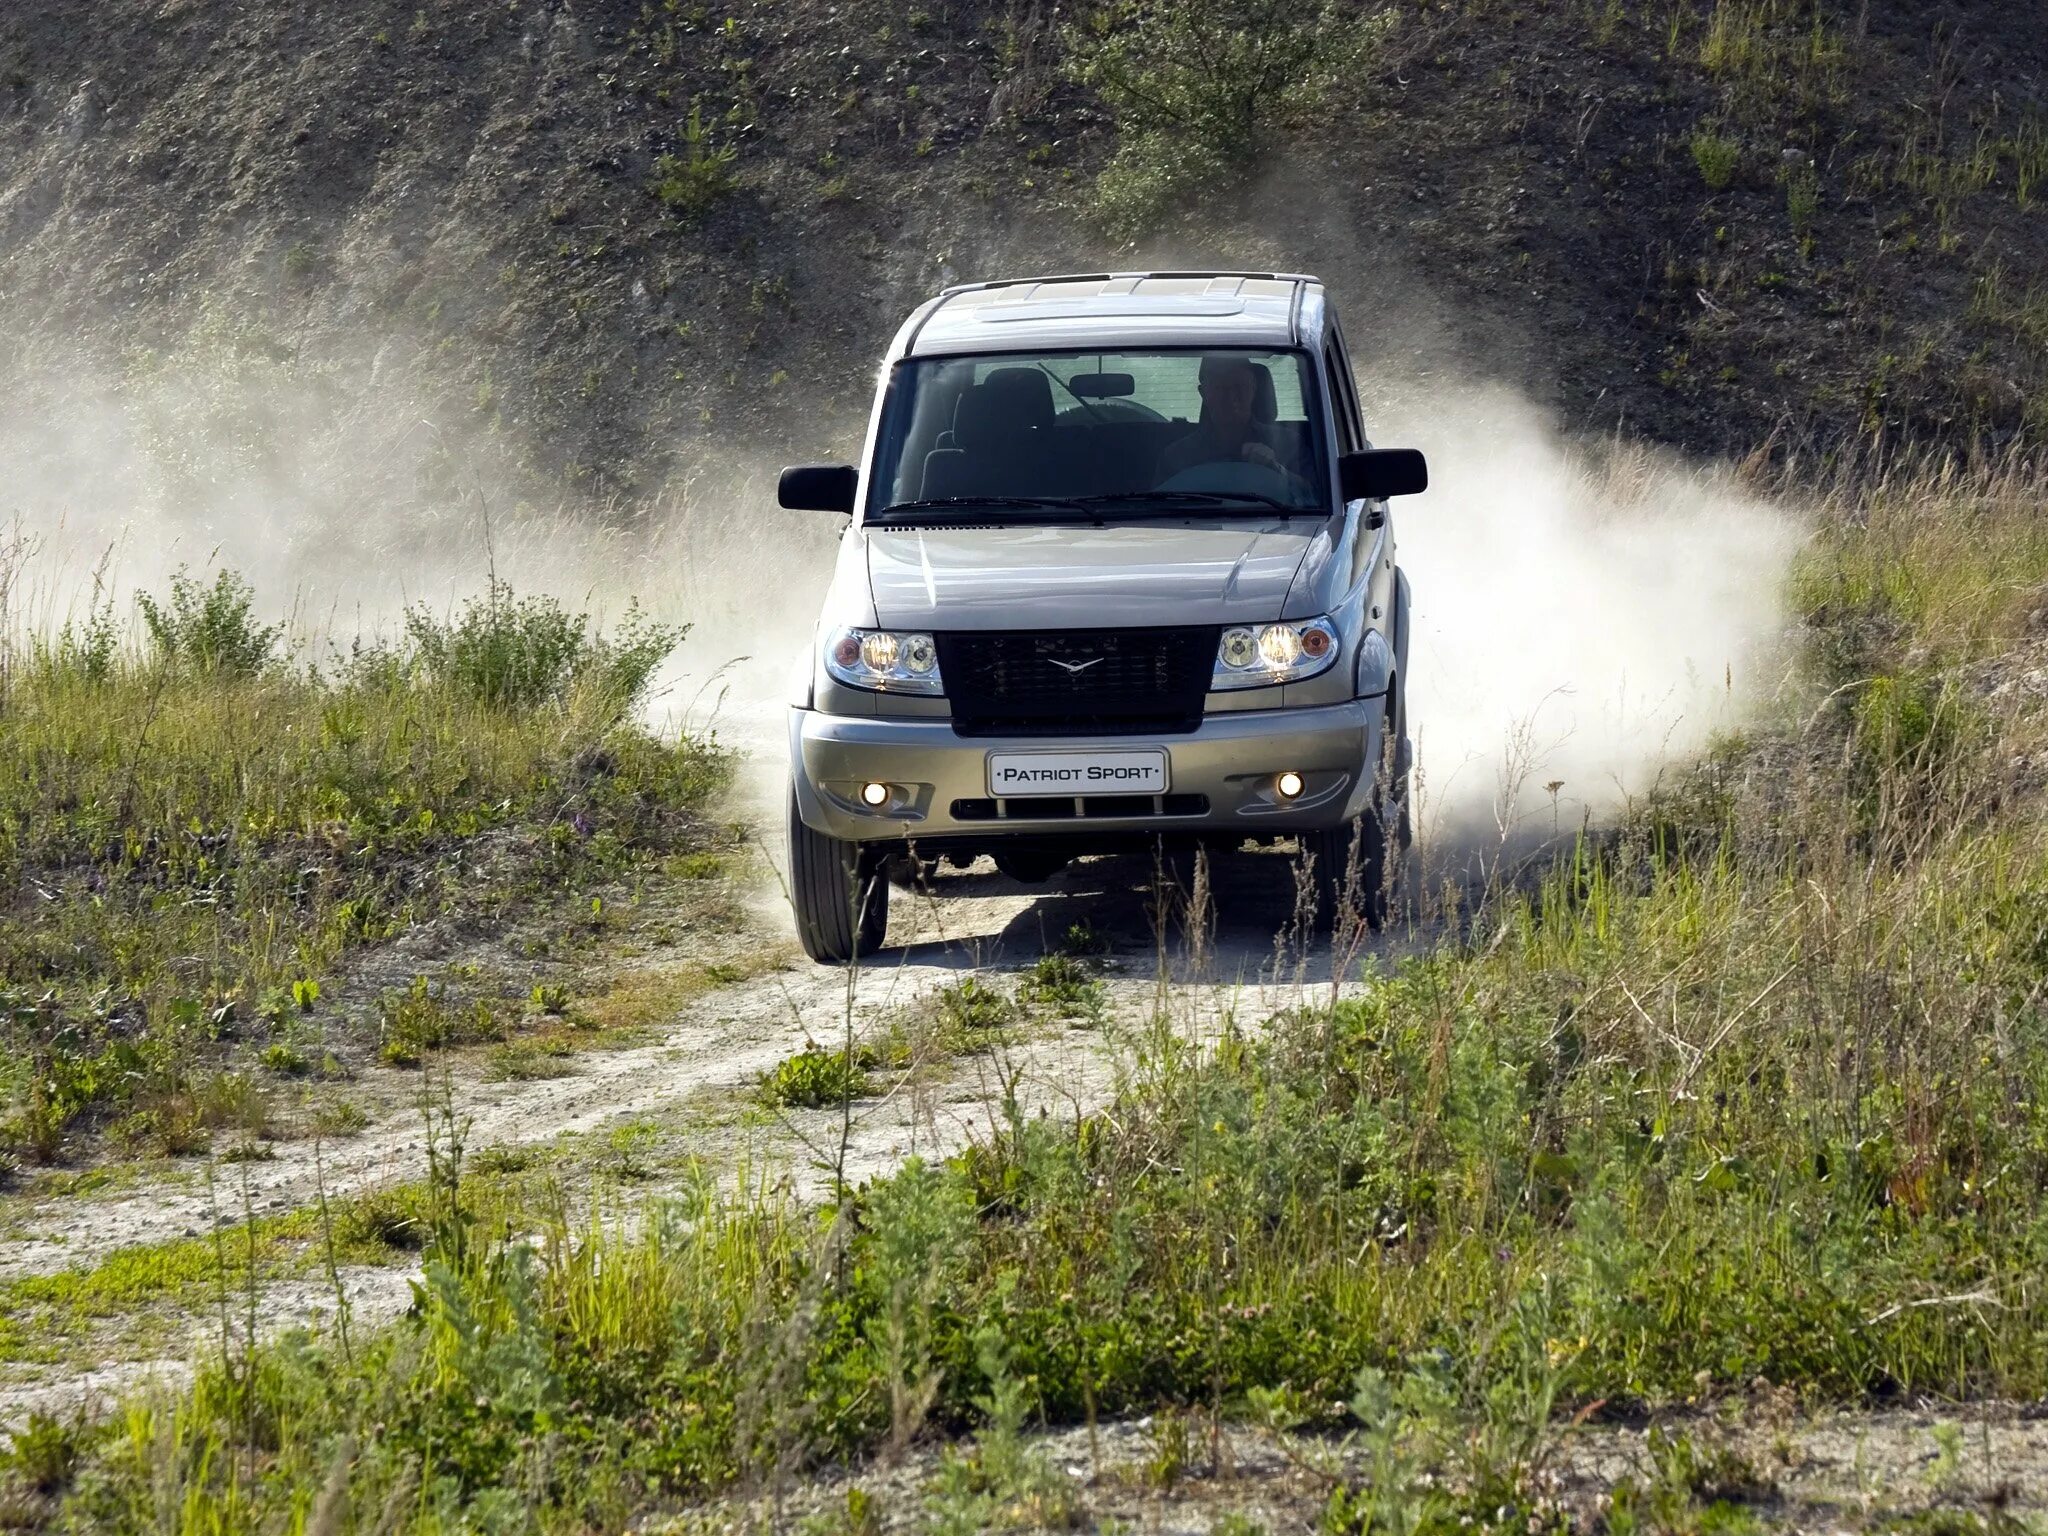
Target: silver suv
{"x": 1120, "y": 572}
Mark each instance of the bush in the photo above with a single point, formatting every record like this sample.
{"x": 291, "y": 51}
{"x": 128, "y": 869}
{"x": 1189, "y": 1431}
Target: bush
{"x": 1198, "y": 89}
{"x": 86, "y": 650}
{"x": 1717, "y": 159}
{"x": 206, "y": 628}
{"x": 516, "y": 653}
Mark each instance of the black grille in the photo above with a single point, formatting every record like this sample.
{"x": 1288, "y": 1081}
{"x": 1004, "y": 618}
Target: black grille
{"x": 1113, "y": 681}
{"x": 1058, "y": 807}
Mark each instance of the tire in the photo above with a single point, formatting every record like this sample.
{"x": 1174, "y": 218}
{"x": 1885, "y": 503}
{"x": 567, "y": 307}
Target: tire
{"x": 840, "y": 899}
{"x": 1030, "y": 866}
{"x": 1348, "y": 865}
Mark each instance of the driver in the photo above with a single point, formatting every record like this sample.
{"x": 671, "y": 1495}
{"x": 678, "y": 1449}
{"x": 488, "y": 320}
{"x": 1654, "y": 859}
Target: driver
{"x": 1227, "y": 428}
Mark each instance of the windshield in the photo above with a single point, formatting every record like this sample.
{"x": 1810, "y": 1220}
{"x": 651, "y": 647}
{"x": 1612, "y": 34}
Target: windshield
{"x": 1034, "y": 435}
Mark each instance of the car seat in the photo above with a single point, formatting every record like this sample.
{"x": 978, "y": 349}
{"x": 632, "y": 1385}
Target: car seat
{"x": 1002, "y": 431}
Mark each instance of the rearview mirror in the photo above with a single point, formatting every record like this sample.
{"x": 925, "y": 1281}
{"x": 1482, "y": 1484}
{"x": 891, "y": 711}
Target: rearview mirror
{"x": 1103, "y": 386}
{"x": 818, "y": 487}
{"x": 1378, "y": 473}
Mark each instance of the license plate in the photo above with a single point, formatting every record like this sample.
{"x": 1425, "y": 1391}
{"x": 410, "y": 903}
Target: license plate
{"x": 1139, "y": 772}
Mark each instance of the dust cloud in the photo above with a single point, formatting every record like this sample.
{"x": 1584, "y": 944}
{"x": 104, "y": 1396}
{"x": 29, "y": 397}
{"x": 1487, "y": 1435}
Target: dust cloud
{"x": 1585, "y": 616}
{"x": 349, "y": 489}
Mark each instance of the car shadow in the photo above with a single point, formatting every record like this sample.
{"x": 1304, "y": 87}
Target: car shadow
{"x": 1131, "y": 906}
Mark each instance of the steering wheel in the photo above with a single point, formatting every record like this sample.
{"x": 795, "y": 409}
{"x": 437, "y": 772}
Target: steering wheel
{"x": 1223, "y": 476}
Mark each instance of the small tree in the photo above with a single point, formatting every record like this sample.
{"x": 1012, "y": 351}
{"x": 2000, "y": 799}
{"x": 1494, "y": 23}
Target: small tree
{"x": 702, "y": 176}
{"x": 1199, "y": 89}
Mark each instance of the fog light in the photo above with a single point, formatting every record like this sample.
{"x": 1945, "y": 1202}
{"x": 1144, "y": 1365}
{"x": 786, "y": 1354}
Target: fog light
{"x": 876, "y": 795}
{"x": 1288, "y": 785}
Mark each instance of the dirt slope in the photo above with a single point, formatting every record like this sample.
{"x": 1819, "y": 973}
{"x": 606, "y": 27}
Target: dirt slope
{"x": 447, "y": 214}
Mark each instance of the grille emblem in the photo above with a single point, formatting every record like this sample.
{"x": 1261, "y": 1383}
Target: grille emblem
{"x": 1073, "y": 668}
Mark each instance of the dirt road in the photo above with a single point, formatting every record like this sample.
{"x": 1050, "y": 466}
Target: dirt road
{"x": 695, "y": 1076}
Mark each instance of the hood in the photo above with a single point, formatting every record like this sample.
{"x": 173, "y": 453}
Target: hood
{"x": 1220, "y": 571}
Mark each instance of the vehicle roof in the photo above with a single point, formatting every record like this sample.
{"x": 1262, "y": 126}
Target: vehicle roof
{"x": 1116, "y": 309}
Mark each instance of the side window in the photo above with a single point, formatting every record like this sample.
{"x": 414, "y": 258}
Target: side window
{"x": 1343, "y": 402}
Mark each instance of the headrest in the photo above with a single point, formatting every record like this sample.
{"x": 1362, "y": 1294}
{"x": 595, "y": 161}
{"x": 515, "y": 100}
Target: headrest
{"x": 1265, "y": 407}
{"x": 1006, "y": 405}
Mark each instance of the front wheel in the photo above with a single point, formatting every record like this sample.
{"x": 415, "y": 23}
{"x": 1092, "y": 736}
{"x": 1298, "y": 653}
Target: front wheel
{"x": 840, "y": 899}
{"x": 1347, "y": 868}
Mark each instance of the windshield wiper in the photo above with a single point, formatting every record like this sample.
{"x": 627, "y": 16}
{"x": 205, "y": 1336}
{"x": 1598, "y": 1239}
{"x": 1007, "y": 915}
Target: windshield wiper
{"x": 1193, "y": 498}
{"x": 952, "y": 503}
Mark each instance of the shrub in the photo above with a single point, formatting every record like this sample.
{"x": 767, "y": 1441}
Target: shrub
{"x": 1198, "y": 89}
{"x": 517, "y": 653}
{"x": 421, "y": 1019}
{"x": 45, "y": 1451}
{"x": 208, "y": 628}
{"x": 1717, "y": 158}
{"x": 86, "y": 649}
{"x": 701, "y": 177}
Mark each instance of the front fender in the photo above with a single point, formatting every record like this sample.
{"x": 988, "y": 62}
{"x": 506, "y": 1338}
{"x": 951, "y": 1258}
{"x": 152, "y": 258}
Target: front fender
{"x": 1375, "y": 666}
{"x": 1401, "y": 606}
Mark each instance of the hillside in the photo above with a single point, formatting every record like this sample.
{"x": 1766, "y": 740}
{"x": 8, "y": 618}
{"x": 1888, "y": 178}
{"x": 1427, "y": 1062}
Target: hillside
{"x": 1716, "y": 224}
{"x": 415, "y": 1115}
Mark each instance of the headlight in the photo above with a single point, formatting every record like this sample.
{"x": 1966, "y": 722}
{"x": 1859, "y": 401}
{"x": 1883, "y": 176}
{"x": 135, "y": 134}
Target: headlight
{"x": 884, "y": 661}
{"x": 1259, "y": 655}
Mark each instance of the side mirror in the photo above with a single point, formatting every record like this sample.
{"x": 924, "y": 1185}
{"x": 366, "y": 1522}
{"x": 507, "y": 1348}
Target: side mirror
{"x": 818, "y": 487}
{"x": 1378, "y": 473}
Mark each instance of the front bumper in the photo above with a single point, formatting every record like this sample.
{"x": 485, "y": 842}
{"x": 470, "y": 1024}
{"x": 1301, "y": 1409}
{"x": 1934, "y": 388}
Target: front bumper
{"x": 938, "y": 781}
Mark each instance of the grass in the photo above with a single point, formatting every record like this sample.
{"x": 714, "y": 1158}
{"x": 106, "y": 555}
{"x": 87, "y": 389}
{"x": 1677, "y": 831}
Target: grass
{"x": 208, "y": 824}
{"x": 1752, "y": 1086}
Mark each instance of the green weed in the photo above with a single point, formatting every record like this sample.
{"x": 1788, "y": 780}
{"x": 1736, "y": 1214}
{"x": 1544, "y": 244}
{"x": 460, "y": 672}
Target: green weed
{"x": 1065, "y": 987}
{"x": 340, "y": 1118}
{"x": 815, "y": 1078}
{"x": 422, "y": 1018}
{"x": 530, "y": 1059}
{"x": 45, "y": 1450}
{"x": 971, "y": 1007}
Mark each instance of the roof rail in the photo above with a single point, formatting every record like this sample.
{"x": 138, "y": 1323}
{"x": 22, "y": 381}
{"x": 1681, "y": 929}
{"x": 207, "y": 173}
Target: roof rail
{"x": 1104, "y": 277}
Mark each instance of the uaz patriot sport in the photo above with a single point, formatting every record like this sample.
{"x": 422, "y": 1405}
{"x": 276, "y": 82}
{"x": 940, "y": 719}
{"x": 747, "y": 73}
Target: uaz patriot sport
{"x": 1120, "y": 570}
